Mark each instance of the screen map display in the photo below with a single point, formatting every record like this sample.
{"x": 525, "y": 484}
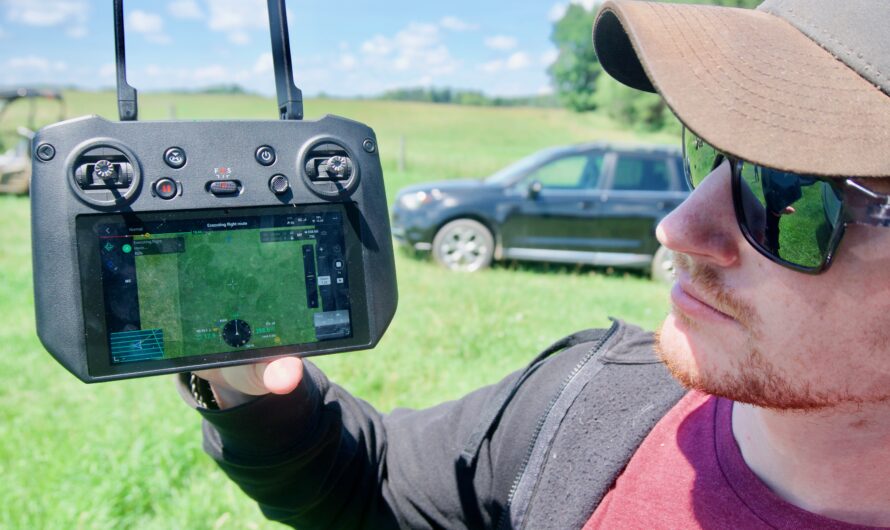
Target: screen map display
{"x": 189, "y": 287}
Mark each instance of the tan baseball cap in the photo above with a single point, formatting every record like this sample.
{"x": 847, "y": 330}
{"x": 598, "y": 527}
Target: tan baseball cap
{"x": 796, "y": 85}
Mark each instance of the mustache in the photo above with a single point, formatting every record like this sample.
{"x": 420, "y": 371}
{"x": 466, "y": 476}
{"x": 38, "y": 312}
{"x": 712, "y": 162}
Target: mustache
{"x": 709, "y": 282}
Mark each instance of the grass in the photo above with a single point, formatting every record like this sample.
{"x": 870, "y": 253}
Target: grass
{"x": 127, "y": 454}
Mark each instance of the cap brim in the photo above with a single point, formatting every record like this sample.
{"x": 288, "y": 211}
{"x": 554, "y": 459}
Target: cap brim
{"x": 750, "y": 84}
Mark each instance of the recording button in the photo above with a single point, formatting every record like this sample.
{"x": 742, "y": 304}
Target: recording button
{"x": 174, "y": 157}
{"x": 265, "y": 155}
{"x": 166, "y": 189}
{"x": 224, "y": 187}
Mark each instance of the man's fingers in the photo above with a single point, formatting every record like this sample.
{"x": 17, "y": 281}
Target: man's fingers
{"x": 282, "y": 376}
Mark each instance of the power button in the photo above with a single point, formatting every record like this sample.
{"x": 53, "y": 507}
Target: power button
{"x": 265, "y": 155}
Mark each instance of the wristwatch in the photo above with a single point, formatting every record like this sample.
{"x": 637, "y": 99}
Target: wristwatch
{"x": 201, "y": 391}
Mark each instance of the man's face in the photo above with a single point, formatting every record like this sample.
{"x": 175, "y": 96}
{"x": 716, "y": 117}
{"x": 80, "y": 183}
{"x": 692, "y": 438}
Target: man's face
{"x": 748, "y": 329}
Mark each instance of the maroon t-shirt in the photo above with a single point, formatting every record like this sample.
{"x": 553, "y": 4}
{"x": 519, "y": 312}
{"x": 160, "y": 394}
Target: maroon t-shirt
{"x": 689, "y": 473}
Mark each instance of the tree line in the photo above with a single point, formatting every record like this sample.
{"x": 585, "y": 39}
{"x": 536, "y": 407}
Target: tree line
{"x": 467, "y": 97}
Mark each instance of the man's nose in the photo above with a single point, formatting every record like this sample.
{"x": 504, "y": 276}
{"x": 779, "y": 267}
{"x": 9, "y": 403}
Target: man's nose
{"x": 704, "y": 225}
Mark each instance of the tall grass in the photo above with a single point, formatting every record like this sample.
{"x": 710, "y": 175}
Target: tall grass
{"x": 127, "y": 454}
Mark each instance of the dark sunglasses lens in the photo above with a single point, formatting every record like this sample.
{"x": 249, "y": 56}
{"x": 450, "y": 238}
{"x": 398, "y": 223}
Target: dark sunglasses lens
{"x": 791, "y": 217}
{"x": 700, "y": 158}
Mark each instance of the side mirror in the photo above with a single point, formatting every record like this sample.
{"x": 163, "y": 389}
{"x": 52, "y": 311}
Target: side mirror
{"x": 534, "y": 189}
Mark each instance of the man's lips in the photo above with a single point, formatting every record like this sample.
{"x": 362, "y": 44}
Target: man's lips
{"x": 691, "y": 301}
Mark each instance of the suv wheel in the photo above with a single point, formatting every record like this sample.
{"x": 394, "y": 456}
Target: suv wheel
{"x": 463, "y": 245}
{"x": 663, "y": 265}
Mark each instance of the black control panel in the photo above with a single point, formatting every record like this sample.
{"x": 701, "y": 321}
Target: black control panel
{"x": 161, "y": 247}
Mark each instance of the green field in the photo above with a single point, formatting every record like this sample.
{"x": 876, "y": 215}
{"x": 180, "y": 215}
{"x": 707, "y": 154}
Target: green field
{"x": 127, "y": 454}
{"x": 191, "y": 295}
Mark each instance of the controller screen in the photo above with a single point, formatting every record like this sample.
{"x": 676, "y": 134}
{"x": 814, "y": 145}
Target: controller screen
{"x": 176, "y": 287}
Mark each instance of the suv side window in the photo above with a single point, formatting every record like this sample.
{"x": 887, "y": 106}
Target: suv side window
{"x": 641, "y": 173}
{"x": 573, "y": 172}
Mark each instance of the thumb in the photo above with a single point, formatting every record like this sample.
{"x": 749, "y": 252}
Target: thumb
{"x": 282, "y": 376}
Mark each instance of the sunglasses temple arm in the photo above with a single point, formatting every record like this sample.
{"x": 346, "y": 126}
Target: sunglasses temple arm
{"x": 874, "y": 211}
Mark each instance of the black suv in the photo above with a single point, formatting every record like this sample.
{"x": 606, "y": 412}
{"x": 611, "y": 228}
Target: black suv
{"x": 595, "y": 204}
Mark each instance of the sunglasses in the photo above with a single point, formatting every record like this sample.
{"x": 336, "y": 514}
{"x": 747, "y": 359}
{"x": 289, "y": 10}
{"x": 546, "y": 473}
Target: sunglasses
{"x": 794, "y": 220}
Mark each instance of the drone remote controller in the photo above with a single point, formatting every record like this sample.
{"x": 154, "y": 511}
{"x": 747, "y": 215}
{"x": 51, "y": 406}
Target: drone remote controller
{"x": 164, "y": 247}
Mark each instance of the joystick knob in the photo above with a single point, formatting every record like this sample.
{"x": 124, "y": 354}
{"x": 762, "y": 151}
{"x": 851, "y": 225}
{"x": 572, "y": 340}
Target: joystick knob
{"x": 104, "y": 170}
{"x": 338, "y": 165}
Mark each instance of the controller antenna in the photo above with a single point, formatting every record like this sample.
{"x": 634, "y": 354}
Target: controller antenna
{"x": 290, "y": 98}
{"x": 126, "y": 95}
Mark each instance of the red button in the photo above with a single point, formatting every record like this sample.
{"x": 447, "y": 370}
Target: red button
{"x": 166, "y": 188}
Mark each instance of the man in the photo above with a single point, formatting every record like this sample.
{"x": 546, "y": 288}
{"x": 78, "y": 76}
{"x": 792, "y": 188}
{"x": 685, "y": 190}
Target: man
{"x": 783, "y": 338}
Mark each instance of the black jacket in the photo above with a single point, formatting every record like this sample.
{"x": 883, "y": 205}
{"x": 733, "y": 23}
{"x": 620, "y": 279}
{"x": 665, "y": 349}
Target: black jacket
{"x": 537, "y": 450}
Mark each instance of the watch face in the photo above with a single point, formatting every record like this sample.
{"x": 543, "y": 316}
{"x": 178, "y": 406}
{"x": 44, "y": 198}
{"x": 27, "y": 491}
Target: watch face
{"x": 203, "y": 285}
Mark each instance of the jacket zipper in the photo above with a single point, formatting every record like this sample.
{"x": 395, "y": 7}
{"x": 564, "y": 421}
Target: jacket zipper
{"x": 502, "y": 523}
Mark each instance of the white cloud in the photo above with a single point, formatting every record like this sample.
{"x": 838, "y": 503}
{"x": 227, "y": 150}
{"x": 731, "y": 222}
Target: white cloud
{"x": 557, "y": 11}
{"x": 154, "y": 70}
{"x": 185, "y": 9}
{"x": 518, "y": 61}
{"x": 77, "y": 32}
{"x": 377, "y": 45}
{"x": 456, "y": 24}
{"x": 73, "y": 14}
{"x": 264, "y": 64}
{"x": 417, "y": 36}
{"x": 347, "y": 62}
{"x": 501, "y": 42}
{"x": 33, "y": 63}
{"x": 239, "y": 37}
{"x": 212, "y": 74}
{"x": 417, "y": 48}
{"x": 492, "y": 66}
{"x": 107, "y": 71}
{"x": 149, "y": 25}
{"x": 549, "y": 57}
{"x": 545, "y": 90}
{"x": 236, "y": 18}
{"x": 142, "y": 22}
{"x": 588, "y": 4}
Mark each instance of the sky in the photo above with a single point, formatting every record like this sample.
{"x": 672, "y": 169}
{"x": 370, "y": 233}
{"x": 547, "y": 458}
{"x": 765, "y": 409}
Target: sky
{"x": 340, "y": 47}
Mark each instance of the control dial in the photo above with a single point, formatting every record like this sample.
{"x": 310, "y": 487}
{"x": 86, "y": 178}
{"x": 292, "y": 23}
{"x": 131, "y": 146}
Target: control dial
{"x": 338, "y": 165}
{"x": 104, "y": 173}
{"x": 103, "y": 169}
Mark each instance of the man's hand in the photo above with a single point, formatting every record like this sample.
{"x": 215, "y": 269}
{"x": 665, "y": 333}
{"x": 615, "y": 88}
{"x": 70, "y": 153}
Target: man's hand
{"x": 235, "y": 385}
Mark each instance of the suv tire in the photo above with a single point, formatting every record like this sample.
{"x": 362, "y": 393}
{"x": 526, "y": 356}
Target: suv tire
{"x": 463, "y": 245}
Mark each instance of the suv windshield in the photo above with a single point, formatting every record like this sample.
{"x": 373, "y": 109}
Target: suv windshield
{"x": 514, "y": 170}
